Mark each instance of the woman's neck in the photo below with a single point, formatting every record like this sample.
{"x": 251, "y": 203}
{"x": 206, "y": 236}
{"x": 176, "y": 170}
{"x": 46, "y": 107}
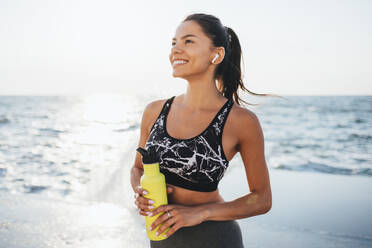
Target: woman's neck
{"x": 201, "y": 95}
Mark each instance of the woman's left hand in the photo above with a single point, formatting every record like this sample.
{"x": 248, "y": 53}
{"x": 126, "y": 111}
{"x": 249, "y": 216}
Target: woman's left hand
{"x": 176, "y": 216}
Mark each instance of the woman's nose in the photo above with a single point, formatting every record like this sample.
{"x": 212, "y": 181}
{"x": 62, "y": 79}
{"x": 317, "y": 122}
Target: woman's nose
{"x": 176, "y": 49}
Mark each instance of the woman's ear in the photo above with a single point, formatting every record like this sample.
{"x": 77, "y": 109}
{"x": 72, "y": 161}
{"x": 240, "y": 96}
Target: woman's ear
{"x": 219, "y": 55}
{"x": 215, "y": 57}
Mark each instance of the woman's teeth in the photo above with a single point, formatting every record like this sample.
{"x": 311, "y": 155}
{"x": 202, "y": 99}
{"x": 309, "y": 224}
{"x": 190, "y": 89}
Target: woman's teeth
{"x": 177, "y": 62}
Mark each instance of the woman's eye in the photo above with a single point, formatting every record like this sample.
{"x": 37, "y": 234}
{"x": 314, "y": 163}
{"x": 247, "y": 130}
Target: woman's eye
{"x": 173, "y": 43}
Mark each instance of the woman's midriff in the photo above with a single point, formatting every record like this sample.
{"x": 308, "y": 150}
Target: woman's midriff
{"x": 190, "y": 197}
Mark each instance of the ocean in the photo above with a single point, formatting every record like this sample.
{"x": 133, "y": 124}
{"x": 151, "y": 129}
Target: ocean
{"x": 53, "y": 144}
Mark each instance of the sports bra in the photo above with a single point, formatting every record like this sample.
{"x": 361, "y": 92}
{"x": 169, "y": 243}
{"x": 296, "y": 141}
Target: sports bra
{"x": 196, "y": 163}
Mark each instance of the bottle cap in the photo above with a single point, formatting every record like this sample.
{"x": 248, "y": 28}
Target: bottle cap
{"x": 148, "y": 156}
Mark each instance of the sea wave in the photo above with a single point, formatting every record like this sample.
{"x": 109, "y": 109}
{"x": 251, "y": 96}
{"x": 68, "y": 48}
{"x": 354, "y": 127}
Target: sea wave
{"x": 318, "y": 167}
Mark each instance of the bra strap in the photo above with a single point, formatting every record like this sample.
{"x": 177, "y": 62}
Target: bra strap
{"x": 167, "y": 105}
{"x": 221, "y": 119}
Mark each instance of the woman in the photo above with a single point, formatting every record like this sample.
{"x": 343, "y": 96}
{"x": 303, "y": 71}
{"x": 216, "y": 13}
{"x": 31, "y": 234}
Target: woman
{"x": 196, "y": 134}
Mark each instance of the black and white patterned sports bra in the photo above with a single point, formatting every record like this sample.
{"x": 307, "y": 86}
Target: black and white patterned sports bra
{"x": 196, "y": 163}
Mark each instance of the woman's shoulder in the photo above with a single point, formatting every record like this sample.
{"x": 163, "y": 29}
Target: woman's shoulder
{"x": 242, "y": 118}
{"x": 242, "y": 113}
{"x": 152, "y": 111}
{"x": 154, "y": 107}
{"x": 157, "y": 104}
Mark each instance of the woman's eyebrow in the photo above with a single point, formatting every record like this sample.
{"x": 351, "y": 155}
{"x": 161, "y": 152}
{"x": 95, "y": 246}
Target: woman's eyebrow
{"x": 187, "y": 35}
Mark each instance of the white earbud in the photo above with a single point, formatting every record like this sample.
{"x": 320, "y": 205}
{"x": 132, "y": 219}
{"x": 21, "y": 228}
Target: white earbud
{"x": 215, "y": 57}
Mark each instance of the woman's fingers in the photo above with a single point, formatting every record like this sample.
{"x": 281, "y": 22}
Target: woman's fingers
{"x": 165, "y": 225}
{"x": 172, "y": 230}
{"x": 140, "y": 190}
{"x": 167, "y": 213}
{"x": 163, "y": 208}
{"x": 141, "y": 212}
{"x": 144, "y": 213}
{"x": 143, "y": 204}
{"x": 136, "y": 195}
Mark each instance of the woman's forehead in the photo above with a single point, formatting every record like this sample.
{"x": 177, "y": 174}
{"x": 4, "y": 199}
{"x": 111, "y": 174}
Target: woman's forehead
{"x": 189, "y": 28}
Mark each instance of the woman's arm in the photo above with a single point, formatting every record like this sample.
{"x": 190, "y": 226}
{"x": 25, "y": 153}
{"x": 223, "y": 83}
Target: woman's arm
{"x": 137, "y": 170}
{"x": 243, "y": 207}
{"x": 251, "y": 148}
{"x": 151, "y": 111}
{"x": 149, "y": 115}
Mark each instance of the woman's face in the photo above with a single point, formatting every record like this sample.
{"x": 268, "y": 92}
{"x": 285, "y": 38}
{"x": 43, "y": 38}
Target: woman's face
{"x": 191, "y": 52}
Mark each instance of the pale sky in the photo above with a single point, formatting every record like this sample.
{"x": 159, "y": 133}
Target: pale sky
{"x": 317, "y": 47}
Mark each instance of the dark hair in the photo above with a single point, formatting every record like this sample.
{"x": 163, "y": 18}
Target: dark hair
{"x": 228, "y": 72}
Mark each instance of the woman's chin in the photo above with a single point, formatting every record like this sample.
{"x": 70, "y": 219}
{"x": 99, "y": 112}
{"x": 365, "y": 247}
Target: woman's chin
{"x": 177, "y": 74}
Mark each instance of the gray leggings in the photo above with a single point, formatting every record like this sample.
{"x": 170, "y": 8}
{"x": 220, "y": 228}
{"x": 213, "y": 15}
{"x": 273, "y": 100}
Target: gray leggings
{"x": 216, "y": 234}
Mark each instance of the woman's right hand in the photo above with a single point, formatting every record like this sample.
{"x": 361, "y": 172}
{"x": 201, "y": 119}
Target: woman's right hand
{"x": 144, "y": 205}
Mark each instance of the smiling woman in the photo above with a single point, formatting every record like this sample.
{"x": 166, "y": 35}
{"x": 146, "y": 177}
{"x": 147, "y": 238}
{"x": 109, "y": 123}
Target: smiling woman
{"x": 196, "y": 135}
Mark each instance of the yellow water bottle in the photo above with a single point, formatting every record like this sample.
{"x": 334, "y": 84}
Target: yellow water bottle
{"x": 153, "y": 181}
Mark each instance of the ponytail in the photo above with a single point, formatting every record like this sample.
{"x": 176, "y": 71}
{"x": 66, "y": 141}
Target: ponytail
{"x": 228, "y": 72}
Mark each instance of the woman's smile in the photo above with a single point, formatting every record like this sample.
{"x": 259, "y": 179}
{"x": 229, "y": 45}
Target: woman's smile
{"x": 179, "y": 62}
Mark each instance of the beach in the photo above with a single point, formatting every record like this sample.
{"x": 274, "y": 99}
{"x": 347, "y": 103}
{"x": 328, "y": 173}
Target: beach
{"x": 308, "y": 211}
